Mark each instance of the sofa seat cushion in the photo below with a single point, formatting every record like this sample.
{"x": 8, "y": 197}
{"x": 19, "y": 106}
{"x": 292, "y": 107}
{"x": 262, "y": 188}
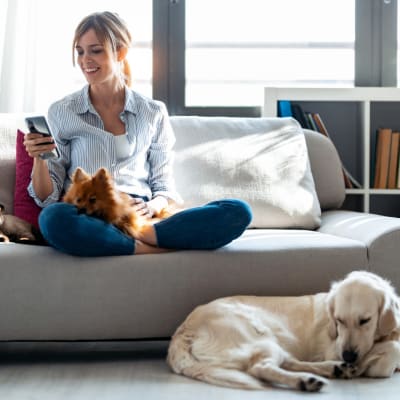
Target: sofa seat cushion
{"x": 126, "y": 297}
{"x": 263, "y": 161}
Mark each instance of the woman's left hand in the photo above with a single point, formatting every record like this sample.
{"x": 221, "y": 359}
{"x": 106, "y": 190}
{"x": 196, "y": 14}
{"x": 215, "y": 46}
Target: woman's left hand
{"x": 142, "y": 207}
{"x": 149, "y": 208}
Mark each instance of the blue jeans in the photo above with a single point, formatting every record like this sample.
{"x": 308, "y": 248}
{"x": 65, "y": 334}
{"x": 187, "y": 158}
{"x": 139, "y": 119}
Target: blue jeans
{"x": 207, "y": 227}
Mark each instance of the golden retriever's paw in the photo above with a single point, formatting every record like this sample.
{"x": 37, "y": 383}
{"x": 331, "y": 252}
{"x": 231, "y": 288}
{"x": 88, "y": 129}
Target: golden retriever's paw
{"x": 344, "y": 371}
{"x": 311, "y": 383}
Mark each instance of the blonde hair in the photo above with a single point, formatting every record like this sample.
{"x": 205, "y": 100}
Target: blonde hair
{"x": 112, "y": 33}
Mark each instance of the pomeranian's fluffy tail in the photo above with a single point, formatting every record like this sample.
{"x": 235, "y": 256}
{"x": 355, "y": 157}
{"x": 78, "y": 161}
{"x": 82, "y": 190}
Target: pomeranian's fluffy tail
{"x": 182, "y": 361}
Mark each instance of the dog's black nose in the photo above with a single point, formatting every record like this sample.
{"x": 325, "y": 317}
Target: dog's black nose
{"x": 350, "y": 356}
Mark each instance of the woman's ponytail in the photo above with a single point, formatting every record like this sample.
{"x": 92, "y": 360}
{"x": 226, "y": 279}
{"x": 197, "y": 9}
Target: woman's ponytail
{"x": 127, "y": 73}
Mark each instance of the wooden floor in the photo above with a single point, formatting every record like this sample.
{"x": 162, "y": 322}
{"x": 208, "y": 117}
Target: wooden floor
{"x": 124, "y": 370}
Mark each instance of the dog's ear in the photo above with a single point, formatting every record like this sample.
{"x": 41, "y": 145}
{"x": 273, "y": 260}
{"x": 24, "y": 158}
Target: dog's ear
{"x": 330, "y": 305}
{"x": 102, "y": 175}
{"x": 80, "y": 175}
{"x": 101, "y": 172}
{"x": 389, "y": 317}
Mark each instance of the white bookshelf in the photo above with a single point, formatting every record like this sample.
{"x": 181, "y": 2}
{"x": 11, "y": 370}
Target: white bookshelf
{"x": 362, "y": 95}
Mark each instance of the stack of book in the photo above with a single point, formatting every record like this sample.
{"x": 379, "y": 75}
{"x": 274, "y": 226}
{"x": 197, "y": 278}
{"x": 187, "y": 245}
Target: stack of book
{"x": 313, "y": 121}
{"x": 386, "y": 168}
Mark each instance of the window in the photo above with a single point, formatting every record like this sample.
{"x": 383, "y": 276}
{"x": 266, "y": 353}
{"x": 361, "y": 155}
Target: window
{"x": 234, "y": 48}
{"x": 210, "y": 57}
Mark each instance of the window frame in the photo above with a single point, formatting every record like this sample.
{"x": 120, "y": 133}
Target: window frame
{"x": 376, "y": 43}
{"x": 375, "y": 54}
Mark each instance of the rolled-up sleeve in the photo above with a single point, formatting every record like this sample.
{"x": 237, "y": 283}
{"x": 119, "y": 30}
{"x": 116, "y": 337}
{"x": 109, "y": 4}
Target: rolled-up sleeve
{"x": 57, "y": 167}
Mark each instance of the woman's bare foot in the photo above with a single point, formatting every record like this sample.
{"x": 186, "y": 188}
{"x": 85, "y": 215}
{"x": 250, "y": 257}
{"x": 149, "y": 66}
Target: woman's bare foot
{"x": 147, "y": 234}
{"x": 144, "y": 248}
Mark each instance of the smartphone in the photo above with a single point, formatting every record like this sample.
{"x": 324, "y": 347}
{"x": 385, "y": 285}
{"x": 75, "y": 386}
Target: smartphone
{"x": 39, "y": 125}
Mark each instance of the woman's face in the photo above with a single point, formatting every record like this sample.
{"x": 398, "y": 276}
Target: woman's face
{"x": 95, "y": 61}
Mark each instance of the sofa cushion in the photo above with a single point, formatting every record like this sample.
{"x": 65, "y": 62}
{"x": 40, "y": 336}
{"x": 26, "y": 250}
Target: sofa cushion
{"x": 263, "y": 161}
{"x": 327, "y": 171}
{"x": 24, "y": 206}
{"x": 128, "y": 297}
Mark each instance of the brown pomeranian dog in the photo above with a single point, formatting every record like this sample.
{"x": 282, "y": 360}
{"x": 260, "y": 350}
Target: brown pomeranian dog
{"x": 96, "y": 195}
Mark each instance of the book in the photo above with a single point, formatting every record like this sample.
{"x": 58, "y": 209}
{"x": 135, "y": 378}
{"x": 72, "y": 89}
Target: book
{"x": 372, "y": 161}
{"x": 393, "y": 161}
{"x": 300, "y": 116}
{"x": 383, "y": 144}
{"x": 284, "y": 108}
{"x": 311, "y": 121}
{"x": 398, "y": 172}
{"x": 320, "y": 124}
{"x": 349, "y": 180}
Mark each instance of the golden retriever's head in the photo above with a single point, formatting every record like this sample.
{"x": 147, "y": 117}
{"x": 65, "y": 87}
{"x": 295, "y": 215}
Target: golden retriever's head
{"x": 363, "y": 308}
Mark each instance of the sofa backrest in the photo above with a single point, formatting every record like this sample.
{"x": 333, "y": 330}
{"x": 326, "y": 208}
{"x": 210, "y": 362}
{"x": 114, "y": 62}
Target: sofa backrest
{"x": 9, "y": 123}
{"x": 327, "y": 171}
{"x": 324, "y": 160}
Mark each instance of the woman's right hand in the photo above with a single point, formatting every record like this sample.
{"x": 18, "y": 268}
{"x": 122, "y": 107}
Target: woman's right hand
{"x": 36, "y": 144}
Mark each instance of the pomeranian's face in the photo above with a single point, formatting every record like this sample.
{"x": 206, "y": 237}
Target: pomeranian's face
{"x": 92, "y": 195}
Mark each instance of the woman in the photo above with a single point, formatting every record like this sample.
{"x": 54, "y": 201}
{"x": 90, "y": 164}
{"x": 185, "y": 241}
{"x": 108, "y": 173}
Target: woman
{"x": 106, "y": 124}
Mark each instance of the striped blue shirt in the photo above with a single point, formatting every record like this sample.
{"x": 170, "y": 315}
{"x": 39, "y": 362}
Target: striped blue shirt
{"x": 83, "y": 142}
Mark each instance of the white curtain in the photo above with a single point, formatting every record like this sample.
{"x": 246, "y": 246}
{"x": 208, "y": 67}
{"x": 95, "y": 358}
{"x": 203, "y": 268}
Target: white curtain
{"x": 18, "y": 41}
{"x": 36, "y": 54}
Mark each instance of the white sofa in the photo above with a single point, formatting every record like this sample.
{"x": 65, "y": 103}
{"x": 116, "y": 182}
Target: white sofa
{"x": 47, "y": 295}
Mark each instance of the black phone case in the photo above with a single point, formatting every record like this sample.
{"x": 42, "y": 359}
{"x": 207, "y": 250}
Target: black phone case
{"x": 39, "y": 125}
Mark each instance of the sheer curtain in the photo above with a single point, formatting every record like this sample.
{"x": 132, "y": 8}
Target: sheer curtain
{"x": 18, "y": 36}
{"x": 36, "y": 54}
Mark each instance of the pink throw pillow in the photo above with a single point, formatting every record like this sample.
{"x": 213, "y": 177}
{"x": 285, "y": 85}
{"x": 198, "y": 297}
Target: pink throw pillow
{"x": 24, "y": 205}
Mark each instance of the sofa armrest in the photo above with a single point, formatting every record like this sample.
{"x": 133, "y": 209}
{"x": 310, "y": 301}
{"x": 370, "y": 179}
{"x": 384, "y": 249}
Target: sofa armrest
{"x": 367, "y": 228}
{"x": 380, "y": 234}
{"x": 327, "y": 171}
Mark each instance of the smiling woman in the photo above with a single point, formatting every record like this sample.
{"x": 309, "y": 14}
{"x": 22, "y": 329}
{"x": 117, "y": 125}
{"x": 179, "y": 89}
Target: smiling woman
{"x": 96, "y": 47}
{"x": 41, "y": 71}
{"x": 84, "y": 125}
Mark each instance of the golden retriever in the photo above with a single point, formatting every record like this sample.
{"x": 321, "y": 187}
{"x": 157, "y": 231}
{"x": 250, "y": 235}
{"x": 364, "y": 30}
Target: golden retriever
{"x": 248, "y": 342}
